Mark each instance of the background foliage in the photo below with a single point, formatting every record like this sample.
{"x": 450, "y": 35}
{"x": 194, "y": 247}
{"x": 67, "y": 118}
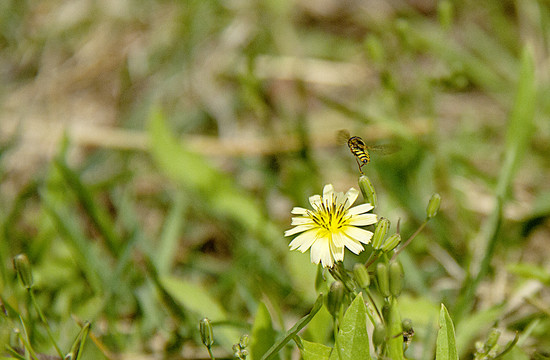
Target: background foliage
{"x": 150, "y": 153}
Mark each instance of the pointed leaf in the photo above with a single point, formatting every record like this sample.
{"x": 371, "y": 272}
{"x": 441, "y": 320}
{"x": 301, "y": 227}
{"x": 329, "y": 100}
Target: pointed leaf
{"x": 352, "y": 341}
{"x": 446, "y": 344}
{"x": 315, "y": 351}
{"x": 263, "y": 334}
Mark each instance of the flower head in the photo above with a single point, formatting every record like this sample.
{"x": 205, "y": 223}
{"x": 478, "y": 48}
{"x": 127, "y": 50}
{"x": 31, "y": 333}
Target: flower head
{"x": 331, "y": 226}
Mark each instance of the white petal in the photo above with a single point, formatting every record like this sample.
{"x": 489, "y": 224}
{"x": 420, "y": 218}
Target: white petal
{"x": 298, "y": 229}
{"x": 357, "y": 234}
{"x": 360, "y": 209}
{"x": 362, "y": 220}
{"x": 337, "y": 252}
{"x": 354, "y": 246}
{"x": 338, "y": 239}
{"x": 339, "y": 196}
{"x": 315, "y": 201}
{"x": 320, "y": 251}
{"x": 328, "y": 190}
{"x": 329, "y": 195}
{"x": 317, "y": 250}
{"x": 303, "y": 241}
{"x": 299, "y": 211}
{"x": 301, "y": 221}
{"x": 351, "y": 195}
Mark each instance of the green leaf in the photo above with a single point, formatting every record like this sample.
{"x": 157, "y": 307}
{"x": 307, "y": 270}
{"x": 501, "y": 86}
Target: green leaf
{"x": 521, "y": 123}
{"x": 187, "y": 168}
{"x": 193, "y": 297}
{"x": 446, "y": 344}
{"x": 263, "y": 334}
{"x": 320, "y": 327}
{"x": 530, "y": 271}
{"x": 314, "y": 351}
{"x": 195, "y": 173}
{"x": 168, "y": 243}
{"x": 352, "y": 341}
{"x": 294, "y": 330}
{"x": 199, "y": 304}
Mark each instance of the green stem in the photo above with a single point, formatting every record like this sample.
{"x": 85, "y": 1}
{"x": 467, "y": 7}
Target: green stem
{"x": 24, "y": 340}
{"x": 210, "y": 353}
{"x": 409, "y": 239}
{"x": 43, "y": 319}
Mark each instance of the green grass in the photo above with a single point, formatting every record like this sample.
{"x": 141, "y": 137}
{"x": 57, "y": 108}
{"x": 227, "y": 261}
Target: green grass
{"x": 151, "y": 152}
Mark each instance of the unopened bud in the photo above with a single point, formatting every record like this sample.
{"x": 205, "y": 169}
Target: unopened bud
{"x": 380, "y": 233}
{"x": 396, "y": 278}
{"x": 335, "y": 297}
{"x": 23, "y": 268}
{"x": 433, "y": 206}
{"x": 391, "y": 242}
{"x": 245, "y": 339}
{"x": 379, "y": 335}
{"x": 382, "y": 279}
{"x": 78, "y": 344}
{"x": 205, "y": 328}
{"x": 361, "y": 275}
{"x": 492, "y": 340}
{"x": 367, "y": 190}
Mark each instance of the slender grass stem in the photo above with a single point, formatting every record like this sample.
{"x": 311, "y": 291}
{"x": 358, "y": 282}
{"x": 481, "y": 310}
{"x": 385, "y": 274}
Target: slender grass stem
{"x": 43, "y": 319}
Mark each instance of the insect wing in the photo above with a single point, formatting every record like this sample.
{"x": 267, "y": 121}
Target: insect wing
{"x": 384, "y": 149}
{"x": 342, "y": 136}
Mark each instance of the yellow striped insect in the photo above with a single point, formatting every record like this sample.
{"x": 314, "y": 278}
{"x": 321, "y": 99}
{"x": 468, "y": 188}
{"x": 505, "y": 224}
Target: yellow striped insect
{"x": 360, "y": 149}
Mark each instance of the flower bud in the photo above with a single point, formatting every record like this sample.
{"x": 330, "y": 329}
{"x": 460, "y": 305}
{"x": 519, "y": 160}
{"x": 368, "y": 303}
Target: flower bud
{"x": 367, "y": 190}
{"x": 492, "y": 340}
{"x": 334, "y": 297}
{"x": 205, "y": 328}
{"x": 386, "y": 310}
{"x": 361, "y": 275}
{"x": 396, "y": 278}
{"x": 391, "y": 242}
{"x": 382, "y": 279}
{"x": 433, "y": 206}
{"x": 380, "y": 233}
{"x": 245, "y": 339}
{"x": 78, "y": 344}
{"x": 379, "y": 335}
{"x": 23, "y": 268}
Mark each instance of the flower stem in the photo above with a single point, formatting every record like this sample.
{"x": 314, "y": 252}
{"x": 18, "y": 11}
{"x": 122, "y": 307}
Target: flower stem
{"x": 43, "y": 319}
{"x": 409, "y": 240}
{"x": 210, "y": 353}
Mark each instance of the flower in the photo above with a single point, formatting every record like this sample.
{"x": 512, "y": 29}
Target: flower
{"x": 331, "y": 226}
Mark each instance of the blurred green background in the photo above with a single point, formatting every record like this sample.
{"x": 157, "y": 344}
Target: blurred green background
{"x": 151, "y": 152}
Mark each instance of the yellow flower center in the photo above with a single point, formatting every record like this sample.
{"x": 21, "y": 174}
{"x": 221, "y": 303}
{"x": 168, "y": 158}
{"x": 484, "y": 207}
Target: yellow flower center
{"x": 330, "y": 216}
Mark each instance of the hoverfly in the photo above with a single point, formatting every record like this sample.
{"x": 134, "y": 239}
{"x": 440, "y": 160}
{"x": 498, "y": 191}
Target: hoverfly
{"x": 360, "y": 149}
